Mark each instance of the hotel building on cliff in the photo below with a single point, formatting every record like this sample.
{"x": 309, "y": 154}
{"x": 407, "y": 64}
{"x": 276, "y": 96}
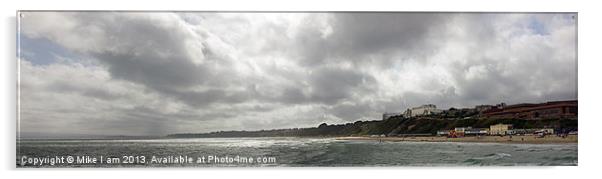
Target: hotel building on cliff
{"x": 426, "y": 109}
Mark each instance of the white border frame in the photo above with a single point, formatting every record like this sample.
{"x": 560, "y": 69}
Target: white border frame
{"x": 588, "y": 87}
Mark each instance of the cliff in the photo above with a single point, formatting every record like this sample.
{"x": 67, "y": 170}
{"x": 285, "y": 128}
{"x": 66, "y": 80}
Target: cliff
{"x": 391, "y": 127}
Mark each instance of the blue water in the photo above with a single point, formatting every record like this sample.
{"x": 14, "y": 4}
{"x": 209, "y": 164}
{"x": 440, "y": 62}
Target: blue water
{"x": 297, "y": 152}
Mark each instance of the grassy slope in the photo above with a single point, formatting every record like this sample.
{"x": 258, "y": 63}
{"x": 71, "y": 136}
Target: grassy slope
{"x": 392, "y": 126}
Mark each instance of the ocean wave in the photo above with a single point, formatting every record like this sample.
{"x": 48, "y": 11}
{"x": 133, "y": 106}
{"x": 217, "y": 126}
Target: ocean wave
{"x": 493, "y": 156}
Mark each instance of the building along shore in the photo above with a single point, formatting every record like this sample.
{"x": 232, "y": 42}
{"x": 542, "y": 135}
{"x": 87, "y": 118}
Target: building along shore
{"x": 522, "y": 139}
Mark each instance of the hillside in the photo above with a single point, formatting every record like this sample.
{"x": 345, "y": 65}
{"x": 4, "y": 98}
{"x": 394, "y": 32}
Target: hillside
{"x": 391, "y": 126}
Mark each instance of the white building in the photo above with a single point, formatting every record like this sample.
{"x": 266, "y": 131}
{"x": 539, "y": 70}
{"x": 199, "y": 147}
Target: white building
{"x": 426, "y": 109}
{"x": 499, "y": 129}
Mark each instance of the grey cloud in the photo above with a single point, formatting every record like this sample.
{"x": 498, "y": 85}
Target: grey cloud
{"x": 323, "y": 85}
{"x": 149, "y": 53}
{"x": 533, "y": 82}
{"x": 139, "y": 120}
{"x": 326, "y": 85}
{"x": 366, "y": 33}
{"x": 331, "y": 85}
{"x": 292, "y": 95}
{"x": 70, "y": 87}
{"x": 201, "y": 72}
{"x": 204, "y": 98}
{"x": 153, "y": 71}
{"x": 355, "y": 36}
{"x": 525, "y": 69}
{"x": 354, "y": 112}
{"x": 443, "y": 99}
{"x": 154, "y": 53}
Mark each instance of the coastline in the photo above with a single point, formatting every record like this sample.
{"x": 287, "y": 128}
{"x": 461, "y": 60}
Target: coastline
{"x": 527, "y": 139}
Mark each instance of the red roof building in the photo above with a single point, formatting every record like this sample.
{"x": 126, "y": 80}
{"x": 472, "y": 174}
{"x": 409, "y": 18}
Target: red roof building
{"x": 554, "y": 109}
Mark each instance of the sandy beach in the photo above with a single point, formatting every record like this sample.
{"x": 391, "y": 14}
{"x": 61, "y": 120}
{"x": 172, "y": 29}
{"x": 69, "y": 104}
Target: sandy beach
{"x": 527, "y": 139}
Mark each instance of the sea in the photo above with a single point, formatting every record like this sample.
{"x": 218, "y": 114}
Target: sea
{"x": 283, "y": 152}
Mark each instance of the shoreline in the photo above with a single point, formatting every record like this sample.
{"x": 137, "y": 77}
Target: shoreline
{"x": 528, "y": 139}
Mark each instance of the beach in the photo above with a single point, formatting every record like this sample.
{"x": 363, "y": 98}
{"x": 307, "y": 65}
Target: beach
{"x": 526, "y": 139}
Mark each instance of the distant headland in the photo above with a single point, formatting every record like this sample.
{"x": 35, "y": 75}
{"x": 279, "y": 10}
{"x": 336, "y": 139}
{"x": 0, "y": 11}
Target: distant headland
{"x": 555, "y": 119}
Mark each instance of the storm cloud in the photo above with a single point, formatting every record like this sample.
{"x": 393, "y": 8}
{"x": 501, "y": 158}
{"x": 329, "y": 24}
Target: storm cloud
{"x": 156, "y": 73}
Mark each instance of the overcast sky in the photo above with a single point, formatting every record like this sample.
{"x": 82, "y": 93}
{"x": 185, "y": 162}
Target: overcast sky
{"x": 143, "y": 73}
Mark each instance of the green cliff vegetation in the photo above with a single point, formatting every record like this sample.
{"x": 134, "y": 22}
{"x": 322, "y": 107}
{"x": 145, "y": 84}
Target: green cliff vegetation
{"x": 392, "y": 127}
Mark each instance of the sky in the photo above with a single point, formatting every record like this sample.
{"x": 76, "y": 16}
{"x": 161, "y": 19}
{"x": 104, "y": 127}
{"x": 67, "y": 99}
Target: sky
{"x": 159, "y": 73}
